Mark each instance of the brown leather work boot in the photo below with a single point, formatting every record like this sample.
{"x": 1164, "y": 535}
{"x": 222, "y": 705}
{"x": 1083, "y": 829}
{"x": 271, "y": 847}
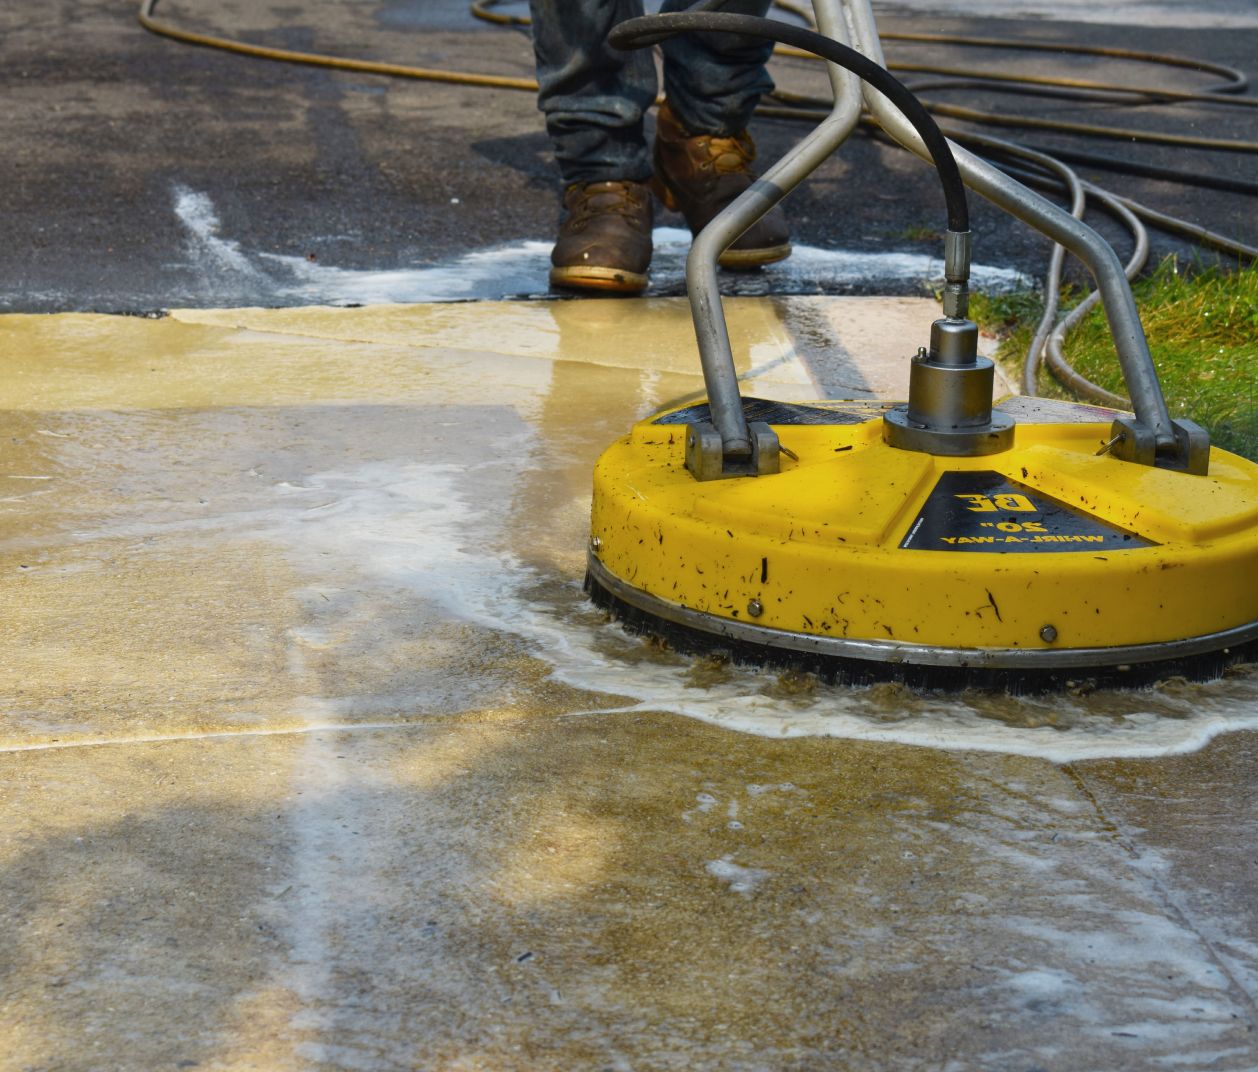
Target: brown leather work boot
{"x": 700, "y": 174}
{"x": 605, "y": 237}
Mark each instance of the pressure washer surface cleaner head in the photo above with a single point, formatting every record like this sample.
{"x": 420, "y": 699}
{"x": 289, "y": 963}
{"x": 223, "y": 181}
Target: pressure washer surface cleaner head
{"x": 943, "y": 541}
{"x": 1030, "y": 568}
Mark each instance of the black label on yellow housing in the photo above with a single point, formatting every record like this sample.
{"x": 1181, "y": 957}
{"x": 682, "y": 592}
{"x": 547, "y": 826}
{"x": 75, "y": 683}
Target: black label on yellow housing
{"x": 986, "y": 511}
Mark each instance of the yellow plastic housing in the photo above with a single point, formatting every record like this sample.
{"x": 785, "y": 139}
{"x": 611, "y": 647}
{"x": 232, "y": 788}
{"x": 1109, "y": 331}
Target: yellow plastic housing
{"x": 819, "y": 549}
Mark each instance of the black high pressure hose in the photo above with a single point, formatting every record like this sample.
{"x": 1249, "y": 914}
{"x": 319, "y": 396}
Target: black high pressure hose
{"x": 651, "y": 29}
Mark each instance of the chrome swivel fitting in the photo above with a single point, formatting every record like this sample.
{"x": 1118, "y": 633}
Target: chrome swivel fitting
{"x": 950, "y": 387}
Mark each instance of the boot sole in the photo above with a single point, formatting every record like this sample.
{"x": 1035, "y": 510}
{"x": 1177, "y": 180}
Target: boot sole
{"x": 611, "y": 280}
{"x": 741, "y": 260}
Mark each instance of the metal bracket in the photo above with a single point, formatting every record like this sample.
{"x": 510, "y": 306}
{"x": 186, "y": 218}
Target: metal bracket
{"x": 706, "y": 458}
{"x": 1192, "y": 443}
{"x": 1134, "y": 441}
{"x": 1176, "y": 445}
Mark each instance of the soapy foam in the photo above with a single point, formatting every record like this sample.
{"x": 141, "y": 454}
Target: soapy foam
{"x": 520, "y": 270}
{"x": 739, "y": 879}
{"x": 216, "y": 254}
{"x": 413, "y": 526}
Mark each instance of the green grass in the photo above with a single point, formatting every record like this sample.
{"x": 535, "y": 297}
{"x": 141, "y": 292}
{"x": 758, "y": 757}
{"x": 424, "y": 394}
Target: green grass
{"x": 1202, "y": 325}
{"x": 918, "y": 232}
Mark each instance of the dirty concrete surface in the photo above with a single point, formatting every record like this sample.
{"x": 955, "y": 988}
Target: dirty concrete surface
{"x": 312, "y": 755}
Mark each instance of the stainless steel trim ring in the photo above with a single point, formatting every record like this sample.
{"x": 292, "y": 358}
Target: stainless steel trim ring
{"x": 918, "y": 654}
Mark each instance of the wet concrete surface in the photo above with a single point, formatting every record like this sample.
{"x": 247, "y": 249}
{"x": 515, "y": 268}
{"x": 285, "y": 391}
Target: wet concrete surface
{"x": 123, "y": 149}
{"x": 313, "y": 756}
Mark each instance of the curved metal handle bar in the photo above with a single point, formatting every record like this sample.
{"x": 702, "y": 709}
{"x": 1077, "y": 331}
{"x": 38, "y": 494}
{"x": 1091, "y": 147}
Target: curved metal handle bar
{"x": 1120, "y": 307}
{"x": 720, "y": 377}
{"x": 723, "y": 396}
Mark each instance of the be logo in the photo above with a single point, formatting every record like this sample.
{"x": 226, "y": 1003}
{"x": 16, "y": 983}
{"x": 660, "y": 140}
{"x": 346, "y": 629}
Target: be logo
{"x": 982, "y": 504}
{"x": 1005, "y": 502}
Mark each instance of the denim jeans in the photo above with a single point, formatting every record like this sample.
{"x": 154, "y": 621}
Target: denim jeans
{"x": 594, "y": 97}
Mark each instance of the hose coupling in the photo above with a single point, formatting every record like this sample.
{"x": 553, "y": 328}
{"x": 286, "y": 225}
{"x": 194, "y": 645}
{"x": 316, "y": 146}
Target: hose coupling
{"x": 956, "y": 295}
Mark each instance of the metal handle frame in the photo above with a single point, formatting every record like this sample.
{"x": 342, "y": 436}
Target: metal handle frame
{"x": 1152, "y": 437}
{"x": 715, "y": 354}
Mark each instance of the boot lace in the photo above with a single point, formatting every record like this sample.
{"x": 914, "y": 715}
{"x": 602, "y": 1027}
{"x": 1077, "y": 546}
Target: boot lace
{"x": 600, "y": 199}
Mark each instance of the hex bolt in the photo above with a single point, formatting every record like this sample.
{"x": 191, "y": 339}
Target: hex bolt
{"x": 1048, "y": 634}
{"x": 595, "y": 544}
{"x": 755, "y": 608}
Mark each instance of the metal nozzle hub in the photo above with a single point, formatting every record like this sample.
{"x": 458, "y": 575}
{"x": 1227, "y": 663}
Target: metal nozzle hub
{"x": 950, "y": 398}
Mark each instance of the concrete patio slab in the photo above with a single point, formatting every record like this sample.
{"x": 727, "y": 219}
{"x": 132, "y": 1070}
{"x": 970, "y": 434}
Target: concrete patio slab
{"x": 312, "y": 755}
